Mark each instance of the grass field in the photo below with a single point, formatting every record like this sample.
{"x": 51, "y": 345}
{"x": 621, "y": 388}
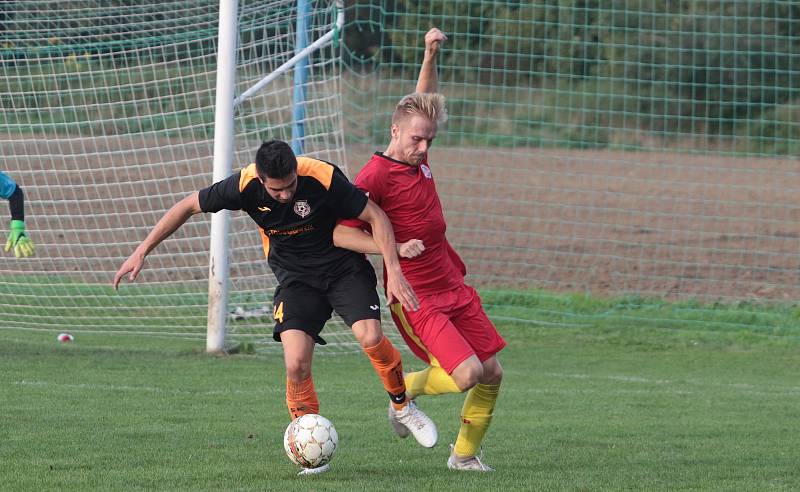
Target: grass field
{"x": 587, "y": 407}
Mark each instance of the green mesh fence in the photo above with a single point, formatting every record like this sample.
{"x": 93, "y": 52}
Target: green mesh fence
{"x": 606, "y": 148}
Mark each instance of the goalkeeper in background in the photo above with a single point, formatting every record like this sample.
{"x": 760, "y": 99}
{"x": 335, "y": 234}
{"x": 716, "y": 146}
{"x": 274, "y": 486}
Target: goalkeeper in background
{"x": 18, "y": 239}
{"x": 450, "y": 331}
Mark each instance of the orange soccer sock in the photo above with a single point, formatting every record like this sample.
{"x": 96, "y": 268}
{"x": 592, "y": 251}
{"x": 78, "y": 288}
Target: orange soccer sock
{"x": 301, "y": 398}
{"x": 387, "y": 363}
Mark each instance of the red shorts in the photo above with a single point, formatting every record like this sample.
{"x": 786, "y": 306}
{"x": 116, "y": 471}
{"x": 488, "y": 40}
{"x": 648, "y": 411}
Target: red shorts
{"x": 448, "y": 328}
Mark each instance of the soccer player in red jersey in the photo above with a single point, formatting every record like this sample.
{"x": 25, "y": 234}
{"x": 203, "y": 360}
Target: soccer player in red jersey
{"x": 450, "y": 331}
{"x": 296, "y": 202}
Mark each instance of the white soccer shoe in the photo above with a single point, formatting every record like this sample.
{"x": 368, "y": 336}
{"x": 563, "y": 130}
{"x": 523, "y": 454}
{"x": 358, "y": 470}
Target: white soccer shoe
{"x": 399, "y": 429}
{"x": 467, "y": 463}
{"x": 412, "y": 419}
{"x": 314, "y": 471}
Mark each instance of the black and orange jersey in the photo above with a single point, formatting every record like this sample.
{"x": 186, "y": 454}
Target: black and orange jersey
{"x": 297, "y": 236}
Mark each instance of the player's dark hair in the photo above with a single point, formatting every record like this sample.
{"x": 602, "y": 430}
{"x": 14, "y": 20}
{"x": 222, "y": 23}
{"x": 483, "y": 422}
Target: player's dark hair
{"x": 275, "y": 160}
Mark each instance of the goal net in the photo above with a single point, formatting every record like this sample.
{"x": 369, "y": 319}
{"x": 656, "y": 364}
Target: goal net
{"x": 108, "y": 119}
{"x": 619, "y": 150}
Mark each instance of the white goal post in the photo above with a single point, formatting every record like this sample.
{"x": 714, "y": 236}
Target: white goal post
{"x": 224, "y": 138}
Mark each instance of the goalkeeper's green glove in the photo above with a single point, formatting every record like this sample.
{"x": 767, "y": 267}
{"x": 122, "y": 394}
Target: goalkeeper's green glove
{"x": 19, "y": 240}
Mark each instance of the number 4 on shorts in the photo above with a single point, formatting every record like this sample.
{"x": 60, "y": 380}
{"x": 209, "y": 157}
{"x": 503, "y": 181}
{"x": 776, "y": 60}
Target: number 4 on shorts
{"x": 278, "y": 314}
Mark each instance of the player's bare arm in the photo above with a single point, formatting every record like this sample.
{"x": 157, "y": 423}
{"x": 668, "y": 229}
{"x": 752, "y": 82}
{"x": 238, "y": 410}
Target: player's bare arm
{"x": 397, "y": 287}
{"x": 169, "y": 223}
{"x": 428, "y": 80}
{"x": 359, "y": 240}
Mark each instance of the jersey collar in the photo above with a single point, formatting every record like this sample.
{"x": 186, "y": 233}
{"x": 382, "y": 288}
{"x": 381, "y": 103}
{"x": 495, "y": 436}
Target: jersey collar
{"x": 381, "y": 155}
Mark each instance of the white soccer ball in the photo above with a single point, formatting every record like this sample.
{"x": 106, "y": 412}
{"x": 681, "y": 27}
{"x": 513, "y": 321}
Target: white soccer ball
{"x": 310, "y": 440}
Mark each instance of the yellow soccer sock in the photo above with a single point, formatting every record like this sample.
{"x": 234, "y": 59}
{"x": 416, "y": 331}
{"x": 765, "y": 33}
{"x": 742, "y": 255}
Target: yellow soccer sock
{"x": 431, "y": 381}
{"x": 476, "y": 415}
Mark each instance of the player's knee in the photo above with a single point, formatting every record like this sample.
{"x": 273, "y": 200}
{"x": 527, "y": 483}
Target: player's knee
{"x": 368, "y": 332}
{"x": 468, "y": 374}
{"x": 371, "y": 339}
{"x": 298, "y": 370}
{"x": 467, "y": 381}
{"x": 492, "y": 372}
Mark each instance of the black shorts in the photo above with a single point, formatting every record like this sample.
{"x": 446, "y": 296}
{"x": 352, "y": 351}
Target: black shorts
{"x": 299, "y": 305}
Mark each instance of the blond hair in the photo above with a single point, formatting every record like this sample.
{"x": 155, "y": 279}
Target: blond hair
{"x": 429, "y": 105}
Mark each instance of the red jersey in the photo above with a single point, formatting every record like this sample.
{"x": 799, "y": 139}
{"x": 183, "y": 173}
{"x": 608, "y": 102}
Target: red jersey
{"x": 408, "y": 196}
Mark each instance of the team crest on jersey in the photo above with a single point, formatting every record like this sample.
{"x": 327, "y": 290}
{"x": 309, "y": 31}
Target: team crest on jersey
{"x": 302, "y": 208}
{"x": 426, "y": 171}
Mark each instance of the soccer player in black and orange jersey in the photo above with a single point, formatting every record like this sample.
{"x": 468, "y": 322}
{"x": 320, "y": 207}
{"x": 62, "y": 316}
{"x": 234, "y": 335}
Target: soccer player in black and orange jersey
{"x": 296, "y": 202}
{"x": 450, "y": 331}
